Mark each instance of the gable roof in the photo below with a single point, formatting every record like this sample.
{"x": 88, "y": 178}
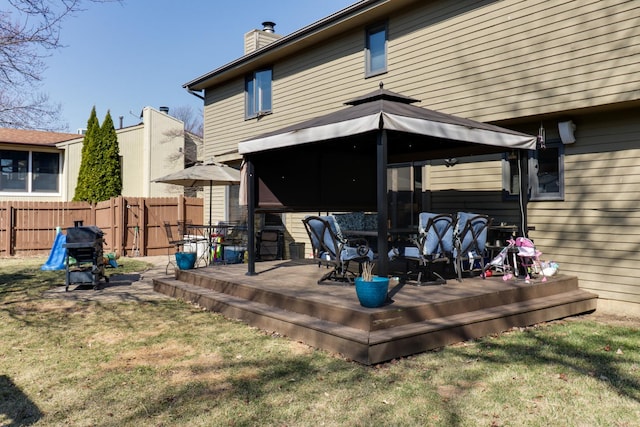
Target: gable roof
{"x": 34, "y": 137}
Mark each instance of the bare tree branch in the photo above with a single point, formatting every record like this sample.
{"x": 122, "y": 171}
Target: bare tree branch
{"x": 29, "y": 31}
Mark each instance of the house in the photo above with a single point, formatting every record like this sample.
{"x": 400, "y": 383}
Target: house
{"x": 565, "y": 71}
{"x": 31, "y": 164}
{"x": 157, "y": 146}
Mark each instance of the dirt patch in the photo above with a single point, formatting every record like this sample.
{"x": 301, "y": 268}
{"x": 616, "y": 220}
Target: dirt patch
{"x": 609, "y": 319}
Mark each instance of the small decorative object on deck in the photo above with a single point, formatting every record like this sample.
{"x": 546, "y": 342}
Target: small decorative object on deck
{"x": 371, "y": 290}
{"x": 186, "y": 260}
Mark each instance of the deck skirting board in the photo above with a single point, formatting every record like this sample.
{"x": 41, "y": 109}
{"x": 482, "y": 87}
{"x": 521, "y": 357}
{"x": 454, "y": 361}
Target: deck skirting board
{"x": 419, "y": 319}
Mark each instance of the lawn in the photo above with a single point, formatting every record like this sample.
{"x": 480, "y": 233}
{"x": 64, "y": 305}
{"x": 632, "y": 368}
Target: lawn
{"x": 169, "y": 363}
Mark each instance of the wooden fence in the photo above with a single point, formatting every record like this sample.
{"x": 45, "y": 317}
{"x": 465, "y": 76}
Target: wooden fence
{"x": 130, "y": 224}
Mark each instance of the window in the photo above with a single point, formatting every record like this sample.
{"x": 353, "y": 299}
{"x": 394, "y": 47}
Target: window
{"x": 258, "y": 93}
{"x": 546, "y": 173}
{"x": 376, "y": 51}
{"x": 29, "y": 172}
{"x": 15, "y": 168}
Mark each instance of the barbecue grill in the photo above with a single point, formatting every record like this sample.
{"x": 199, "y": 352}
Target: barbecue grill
{"x": 84, "y": 244}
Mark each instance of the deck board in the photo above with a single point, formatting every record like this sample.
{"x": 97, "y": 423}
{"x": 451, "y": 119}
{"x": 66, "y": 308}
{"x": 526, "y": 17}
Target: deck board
{"x": 284, "y": 296}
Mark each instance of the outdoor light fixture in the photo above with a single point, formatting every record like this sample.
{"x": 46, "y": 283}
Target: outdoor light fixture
{"x": 541, "y": 137}
{"x": 451, "y": 162}
{"x": 566, "y": 130}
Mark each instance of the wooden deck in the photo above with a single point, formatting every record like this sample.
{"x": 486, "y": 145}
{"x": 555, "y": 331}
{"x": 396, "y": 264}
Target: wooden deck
{"x": 284, "y": 297}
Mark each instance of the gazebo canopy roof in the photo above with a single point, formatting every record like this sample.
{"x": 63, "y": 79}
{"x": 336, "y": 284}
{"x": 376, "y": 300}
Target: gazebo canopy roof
{"x": 331, "y": 162}
{"x": 383, "y": 109}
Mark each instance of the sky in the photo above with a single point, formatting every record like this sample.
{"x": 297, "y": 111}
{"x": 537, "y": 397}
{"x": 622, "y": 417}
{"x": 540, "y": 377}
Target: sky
{"x": 127, "y": 55}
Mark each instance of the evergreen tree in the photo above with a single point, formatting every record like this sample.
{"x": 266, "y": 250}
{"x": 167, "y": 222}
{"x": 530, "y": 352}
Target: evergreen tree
{"x": 110, "y": 176}
{"x": 86, "y": 176}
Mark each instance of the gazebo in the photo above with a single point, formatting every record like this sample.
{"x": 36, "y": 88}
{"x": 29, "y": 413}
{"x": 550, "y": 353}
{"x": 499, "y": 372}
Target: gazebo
{"x": 339, "y": 161}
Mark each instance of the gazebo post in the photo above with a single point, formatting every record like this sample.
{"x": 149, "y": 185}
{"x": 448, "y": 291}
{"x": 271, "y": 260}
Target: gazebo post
{"x": 383, "y": 207}
{"x": 523, "y": 159}
{"x": 251, "y": 208}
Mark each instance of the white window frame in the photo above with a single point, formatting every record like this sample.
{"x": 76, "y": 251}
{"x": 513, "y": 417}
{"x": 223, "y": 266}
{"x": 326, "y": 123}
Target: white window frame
{"x": 30, "y": 176}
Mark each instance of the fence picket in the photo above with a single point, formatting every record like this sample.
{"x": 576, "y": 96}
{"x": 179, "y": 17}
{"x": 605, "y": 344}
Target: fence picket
{"x": 28, "y": 228}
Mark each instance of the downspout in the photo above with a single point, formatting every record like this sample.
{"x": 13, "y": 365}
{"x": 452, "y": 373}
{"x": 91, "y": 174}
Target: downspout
{"x": 523, "y": 160}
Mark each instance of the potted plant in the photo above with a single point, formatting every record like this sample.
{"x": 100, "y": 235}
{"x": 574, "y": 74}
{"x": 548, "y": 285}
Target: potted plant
{"x": 371, "y": 290}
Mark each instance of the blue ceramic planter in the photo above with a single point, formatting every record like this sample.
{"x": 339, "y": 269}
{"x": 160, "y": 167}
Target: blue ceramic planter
{"x": 372, "y": 294}
{"x": 186, "y": 260}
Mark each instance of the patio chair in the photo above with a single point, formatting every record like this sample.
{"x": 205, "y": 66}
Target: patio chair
{"x": 331, "y": 249}
{"x": 470, "y": 242}
{"x": 433, "y": 245}
{"x": 176, "y": 244}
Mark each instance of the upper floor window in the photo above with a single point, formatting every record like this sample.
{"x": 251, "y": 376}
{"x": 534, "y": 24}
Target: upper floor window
{"x": 546, "y": 173}
{"x": 376, "y": 51}
{"x": 29, "y": 172}
{"x": 258, "y": 93}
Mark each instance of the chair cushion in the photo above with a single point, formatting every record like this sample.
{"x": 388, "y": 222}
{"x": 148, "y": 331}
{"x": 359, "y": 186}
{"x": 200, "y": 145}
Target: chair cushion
{"x": 350, "y": 221}
{"x": 431, "y": 245}
{"x": 467, "y": 239}
{"x": 370, "y": 222}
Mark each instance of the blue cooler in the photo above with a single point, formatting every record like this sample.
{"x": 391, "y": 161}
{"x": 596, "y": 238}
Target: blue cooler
{"x": 233, "y": 254}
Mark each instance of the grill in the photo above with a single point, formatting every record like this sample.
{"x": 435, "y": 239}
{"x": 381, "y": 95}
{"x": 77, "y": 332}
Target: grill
{"x": 84, "y": 244}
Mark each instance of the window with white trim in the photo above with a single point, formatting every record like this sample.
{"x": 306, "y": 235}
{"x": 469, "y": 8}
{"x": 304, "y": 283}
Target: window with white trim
{"x": 258, "y": 93}
{"x": 546, "y": 173}
{"x": 376, "y": 50}
{"x": 29, "y": 172}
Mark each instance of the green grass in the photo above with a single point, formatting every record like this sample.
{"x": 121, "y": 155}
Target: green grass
{"x": 166, "y": 363}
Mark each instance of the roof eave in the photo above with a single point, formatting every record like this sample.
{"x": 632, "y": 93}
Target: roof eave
{"x": 352, "y": 16}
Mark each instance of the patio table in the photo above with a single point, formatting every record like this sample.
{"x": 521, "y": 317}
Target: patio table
{"x": 209, "y": 234}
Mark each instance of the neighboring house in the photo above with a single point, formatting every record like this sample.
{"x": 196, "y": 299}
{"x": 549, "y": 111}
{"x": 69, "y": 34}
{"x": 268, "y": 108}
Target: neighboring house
{"x": 44, "y": 166}
{"x": 31, "y": 164}
{"x": 567, "y": 71}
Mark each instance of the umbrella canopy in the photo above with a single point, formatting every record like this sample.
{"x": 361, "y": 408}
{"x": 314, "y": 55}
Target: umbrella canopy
{"x": 203, "y": 175}
{"x": 209, "y": 174}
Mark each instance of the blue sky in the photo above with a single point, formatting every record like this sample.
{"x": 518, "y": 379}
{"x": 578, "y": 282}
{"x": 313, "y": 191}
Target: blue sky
{"x": 125, "y": 56}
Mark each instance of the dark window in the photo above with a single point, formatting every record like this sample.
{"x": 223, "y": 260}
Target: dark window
{"x": 546, "y": 173}
{"x": 45, "y": 172}
{"x": 405, "y": 183}
{"x": 258, "y": 93}
{"x": 24, "y": 171}
{"x": 376, "y": 51}
{"x": 14, "y": 166}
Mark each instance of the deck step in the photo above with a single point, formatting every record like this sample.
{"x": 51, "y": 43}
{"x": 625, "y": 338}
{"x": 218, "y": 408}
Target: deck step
{"x": 386, "y": 343}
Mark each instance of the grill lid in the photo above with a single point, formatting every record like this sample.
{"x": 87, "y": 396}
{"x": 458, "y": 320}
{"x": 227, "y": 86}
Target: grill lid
{"x": 84, "y": 234}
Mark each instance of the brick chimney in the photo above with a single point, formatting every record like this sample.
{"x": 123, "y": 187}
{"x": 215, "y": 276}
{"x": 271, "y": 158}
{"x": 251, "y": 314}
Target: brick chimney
{"x": 257, "y": 39}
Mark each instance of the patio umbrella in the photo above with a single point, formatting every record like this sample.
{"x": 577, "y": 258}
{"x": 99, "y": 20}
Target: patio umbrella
{"x": 202, "y": 175}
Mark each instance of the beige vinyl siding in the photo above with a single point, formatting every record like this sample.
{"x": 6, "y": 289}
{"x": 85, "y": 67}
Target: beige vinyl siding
{"x": 303, "y": 87}
{"x": 73, "y": 159}
{"x": 493, "y": 62}
{"x": 130, "y": 145}
{"x": 517, "y": 58}
{"x": 224, "y": 121}
{"x": 595, "y": 232}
